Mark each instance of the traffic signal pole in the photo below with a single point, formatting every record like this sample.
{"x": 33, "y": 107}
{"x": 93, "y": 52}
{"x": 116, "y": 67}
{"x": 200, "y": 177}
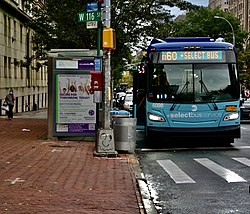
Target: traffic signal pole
{"x": 105, "y": 136}
{"x": 107, "y": 68}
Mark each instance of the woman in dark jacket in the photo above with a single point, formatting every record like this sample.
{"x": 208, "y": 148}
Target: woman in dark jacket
{"x": 10, "y": 99}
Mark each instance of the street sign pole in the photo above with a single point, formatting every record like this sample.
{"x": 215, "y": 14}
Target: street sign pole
{"x": 99, "y": 31}
{"x": 107, "y": 73}
{"x": 105, "y": 136}
{"x": 107, "y": 94}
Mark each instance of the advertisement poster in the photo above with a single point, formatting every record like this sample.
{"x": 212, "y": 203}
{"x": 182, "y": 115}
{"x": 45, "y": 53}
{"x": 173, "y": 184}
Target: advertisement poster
{"x": 75, "y": 109}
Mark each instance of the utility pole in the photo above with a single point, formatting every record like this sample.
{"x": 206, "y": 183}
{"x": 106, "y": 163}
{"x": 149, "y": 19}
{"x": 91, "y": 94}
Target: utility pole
{"x": 107, "y": 67}
{"x": 105, "y": 136}
{"x": 107, "y": 92}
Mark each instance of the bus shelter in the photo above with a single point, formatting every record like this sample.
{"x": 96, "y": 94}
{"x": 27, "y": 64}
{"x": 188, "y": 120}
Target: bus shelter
{"x": 72, "y": 106}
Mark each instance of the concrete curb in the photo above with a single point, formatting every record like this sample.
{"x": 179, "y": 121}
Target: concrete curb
{"x": 147, "y": 200}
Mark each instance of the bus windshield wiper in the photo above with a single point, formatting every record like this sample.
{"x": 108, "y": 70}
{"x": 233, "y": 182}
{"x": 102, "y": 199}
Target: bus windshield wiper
{"x": 175, "y": 100}
{"x": 208, "y": 94}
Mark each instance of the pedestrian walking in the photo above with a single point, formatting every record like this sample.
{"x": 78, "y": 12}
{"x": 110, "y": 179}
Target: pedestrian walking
{"x": 10, "y": 100}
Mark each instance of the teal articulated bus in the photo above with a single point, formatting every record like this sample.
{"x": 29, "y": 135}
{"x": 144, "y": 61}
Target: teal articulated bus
{"x": 189, "y": 87}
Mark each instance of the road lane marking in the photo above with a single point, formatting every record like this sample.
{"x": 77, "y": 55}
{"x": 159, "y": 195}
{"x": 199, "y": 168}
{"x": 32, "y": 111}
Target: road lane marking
{"x": 175, "y": 172}
{"x": 244, "y": 161}
{"x": 226, "y": 174}
{"x": 243, "y": 128}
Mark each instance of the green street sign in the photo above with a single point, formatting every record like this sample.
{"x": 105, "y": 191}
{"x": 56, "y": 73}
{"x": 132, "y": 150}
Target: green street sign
{"x": 89, "y": 16}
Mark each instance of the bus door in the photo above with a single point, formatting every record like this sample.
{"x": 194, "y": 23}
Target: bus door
{"x": 139, "y": 96}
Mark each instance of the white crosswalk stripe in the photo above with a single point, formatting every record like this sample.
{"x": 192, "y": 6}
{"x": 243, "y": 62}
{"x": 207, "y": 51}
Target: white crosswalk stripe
{"x": 244, "y": 161}
{"x": 175, "y": 172}
{"x": 227, "y": 174}
{"x": 180, "y": 177}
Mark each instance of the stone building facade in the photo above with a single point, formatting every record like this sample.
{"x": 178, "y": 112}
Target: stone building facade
{"x": 239, "y": 8}
{"x": 221, "y": 4}
{"x": 28, "y": 81}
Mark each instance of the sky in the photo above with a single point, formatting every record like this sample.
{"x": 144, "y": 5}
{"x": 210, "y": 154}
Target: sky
{"x": 175, "y": 11}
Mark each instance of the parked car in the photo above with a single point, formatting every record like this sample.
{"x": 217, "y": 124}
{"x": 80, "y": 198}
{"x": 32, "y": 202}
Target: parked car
{"x": 245, "y": 109}
{"x": 128, "y": 103}
{"x": 118, "y": 99}
{"x": 129, "y": 91}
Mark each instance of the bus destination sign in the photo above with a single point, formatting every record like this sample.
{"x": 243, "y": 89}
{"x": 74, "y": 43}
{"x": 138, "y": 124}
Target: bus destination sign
{"x": 191, "y": 56}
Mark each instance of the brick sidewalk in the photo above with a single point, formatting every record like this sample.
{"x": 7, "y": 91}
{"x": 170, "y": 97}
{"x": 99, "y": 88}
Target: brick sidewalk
{"x": 42, "y": 176}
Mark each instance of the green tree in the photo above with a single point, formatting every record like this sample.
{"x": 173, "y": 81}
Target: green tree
{"x": 135, "y": 23}
{"x": 244, "y": 65}
{"x": 56, "y": 26}
{"x": 201, "y": 23}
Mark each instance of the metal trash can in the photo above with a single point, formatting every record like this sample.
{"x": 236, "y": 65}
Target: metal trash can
{"x": 118, "y": 113}
{"x": 124, "y": 133}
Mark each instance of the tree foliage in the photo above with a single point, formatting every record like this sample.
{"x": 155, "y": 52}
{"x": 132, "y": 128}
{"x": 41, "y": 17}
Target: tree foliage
{"x": 135, "y": 23}
{"x": 244, "y": 65}
{"x": 56, "y": 26}
{"x": 201, "y": 23}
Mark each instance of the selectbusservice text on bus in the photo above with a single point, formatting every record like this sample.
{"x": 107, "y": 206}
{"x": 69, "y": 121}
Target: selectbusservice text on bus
{"x": 189, "y": 87}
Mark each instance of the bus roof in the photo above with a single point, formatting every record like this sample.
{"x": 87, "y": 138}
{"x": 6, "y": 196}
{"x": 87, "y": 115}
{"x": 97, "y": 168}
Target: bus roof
{"x": 189, "y": 43}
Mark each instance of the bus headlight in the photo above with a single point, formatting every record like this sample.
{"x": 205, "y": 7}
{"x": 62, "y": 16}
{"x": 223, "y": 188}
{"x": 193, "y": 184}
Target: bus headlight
{"x": 232, "y": 116}
{"x": 155, "y": 117}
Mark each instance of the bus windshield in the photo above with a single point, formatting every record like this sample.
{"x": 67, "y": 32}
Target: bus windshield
{"x": 192, "y": 83}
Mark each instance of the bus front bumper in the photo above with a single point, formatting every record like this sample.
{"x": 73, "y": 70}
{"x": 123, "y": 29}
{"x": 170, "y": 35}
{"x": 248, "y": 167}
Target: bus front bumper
{"x": 215, "y": 132}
